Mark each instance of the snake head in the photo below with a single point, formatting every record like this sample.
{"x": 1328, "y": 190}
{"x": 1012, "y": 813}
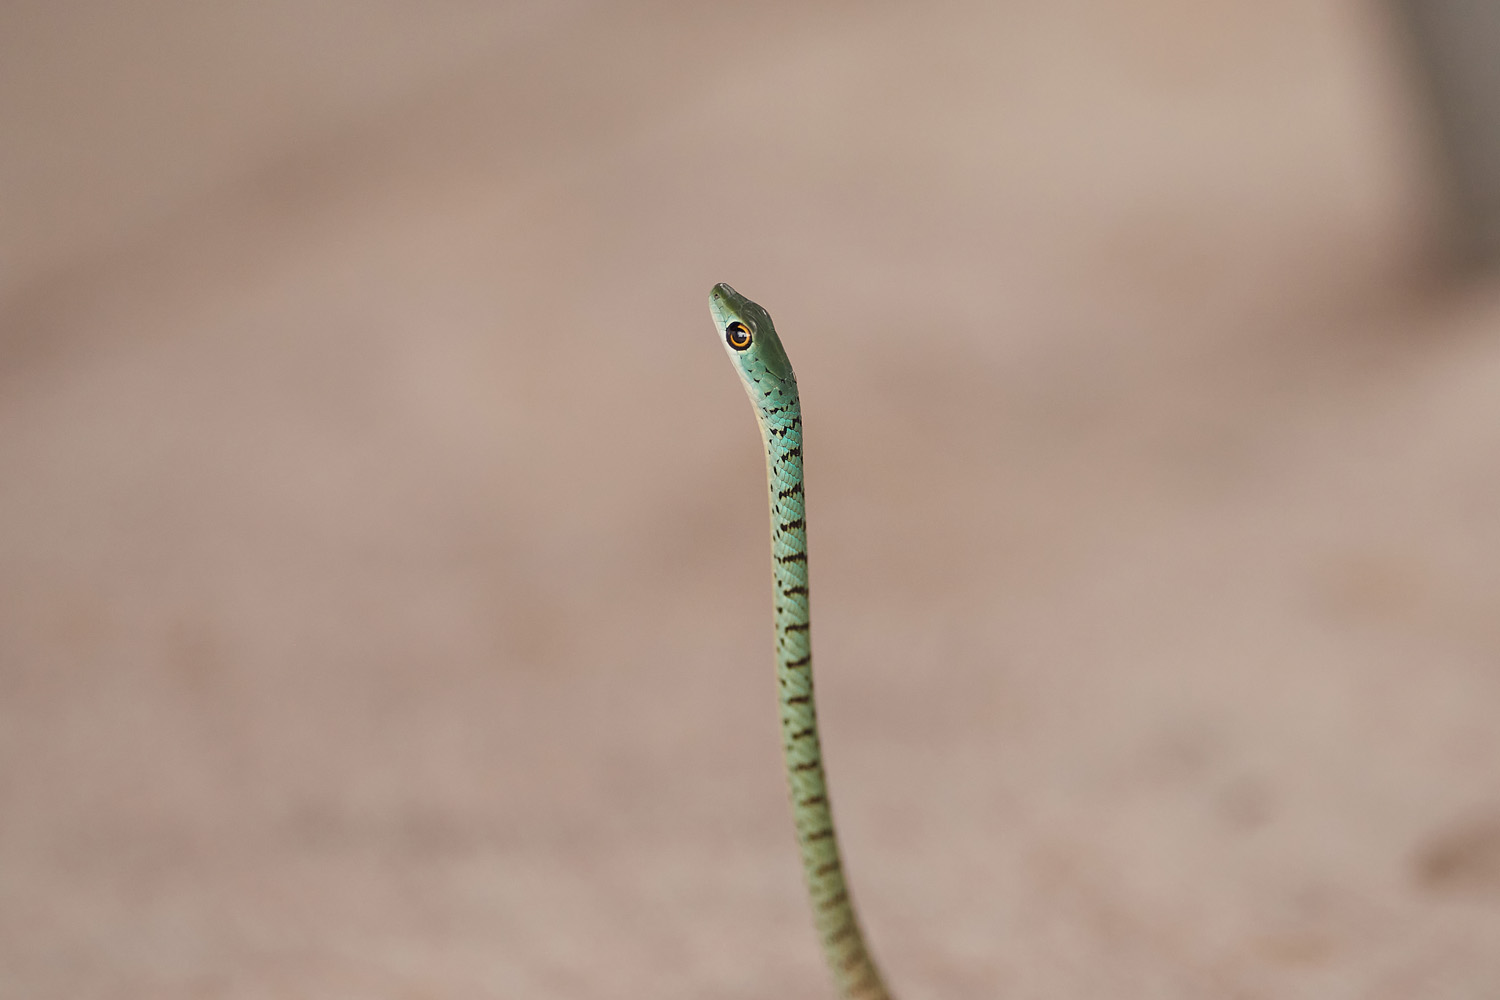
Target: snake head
{"x": 749, "y": 338}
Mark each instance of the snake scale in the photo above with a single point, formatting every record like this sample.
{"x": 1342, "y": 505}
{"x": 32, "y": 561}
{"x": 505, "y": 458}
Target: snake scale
{"x": 751, "y": 342}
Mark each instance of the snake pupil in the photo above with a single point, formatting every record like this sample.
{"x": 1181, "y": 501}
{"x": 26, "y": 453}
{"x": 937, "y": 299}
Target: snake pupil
{"x": 738, "y": 335}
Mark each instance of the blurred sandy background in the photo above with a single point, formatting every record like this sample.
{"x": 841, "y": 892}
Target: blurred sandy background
{"x": 384, "y": 593}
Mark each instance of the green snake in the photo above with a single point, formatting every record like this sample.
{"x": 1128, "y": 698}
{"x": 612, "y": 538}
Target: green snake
{"x": 752, "y": 344}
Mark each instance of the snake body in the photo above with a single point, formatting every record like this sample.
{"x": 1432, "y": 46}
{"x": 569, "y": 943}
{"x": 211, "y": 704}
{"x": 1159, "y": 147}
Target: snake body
{"x": 753, "y": 346}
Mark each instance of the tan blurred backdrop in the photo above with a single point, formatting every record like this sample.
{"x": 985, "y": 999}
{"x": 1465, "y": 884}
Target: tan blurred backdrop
{"x": 384, "y": 592}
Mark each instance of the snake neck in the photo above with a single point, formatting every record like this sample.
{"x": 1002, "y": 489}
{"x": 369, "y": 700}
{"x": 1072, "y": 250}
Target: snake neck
{"x": 833, "y": 911}
{"x": 782, "y": 427}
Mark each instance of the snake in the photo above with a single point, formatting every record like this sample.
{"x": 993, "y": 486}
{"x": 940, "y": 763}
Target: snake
{"x": 751, "y": 341}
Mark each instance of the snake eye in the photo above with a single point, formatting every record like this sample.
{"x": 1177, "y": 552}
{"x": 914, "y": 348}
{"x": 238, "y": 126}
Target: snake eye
{"x": 738, "y": 335}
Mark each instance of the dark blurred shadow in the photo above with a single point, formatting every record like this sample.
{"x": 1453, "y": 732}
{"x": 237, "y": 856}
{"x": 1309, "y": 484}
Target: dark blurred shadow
{"x": 1455, "y": 47}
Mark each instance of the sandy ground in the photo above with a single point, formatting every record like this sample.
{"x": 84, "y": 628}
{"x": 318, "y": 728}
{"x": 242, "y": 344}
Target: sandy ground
{"x": 384, "y": 595}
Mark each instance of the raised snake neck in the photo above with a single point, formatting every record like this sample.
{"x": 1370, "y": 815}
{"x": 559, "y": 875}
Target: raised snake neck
{"x": 772, "y": 387}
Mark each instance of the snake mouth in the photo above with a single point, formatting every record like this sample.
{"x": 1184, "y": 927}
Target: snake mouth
{"x": 726, "y": 304}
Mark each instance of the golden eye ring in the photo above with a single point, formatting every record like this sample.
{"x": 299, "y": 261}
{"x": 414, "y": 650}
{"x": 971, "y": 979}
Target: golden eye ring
{"x": 737, "y": 335}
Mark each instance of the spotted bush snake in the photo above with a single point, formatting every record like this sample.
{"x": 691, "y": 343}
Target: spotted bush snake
{"x": 751, "y": 342}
